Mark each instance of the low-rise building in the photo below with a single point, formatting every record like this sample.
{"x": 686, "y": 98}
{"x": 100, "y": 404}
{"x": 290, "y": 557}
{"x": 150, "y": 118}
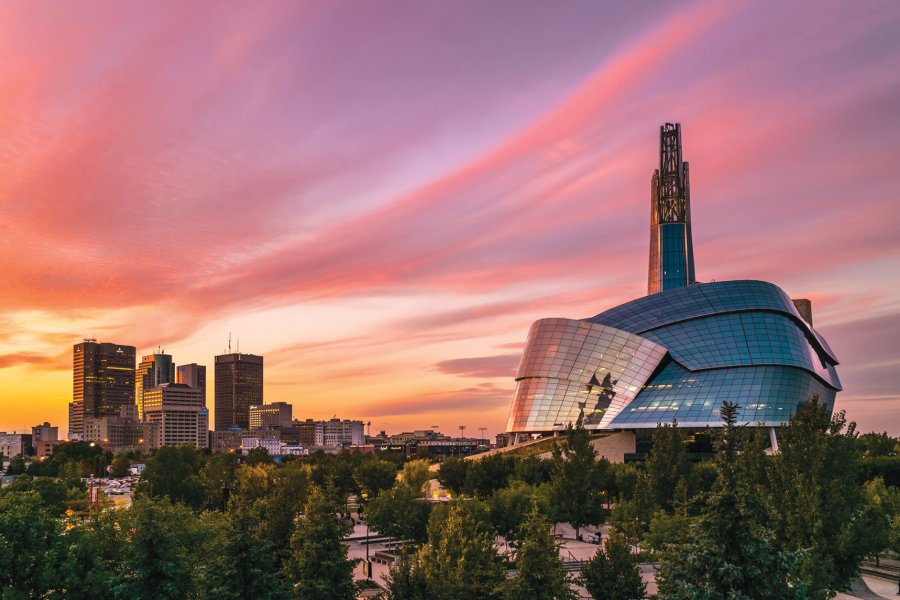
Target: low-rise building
{"x": 178, "y": 410}
{"x": 276, "y": 414}
{"x": 13, "y": 444}
{"x": 121, "y": 432}
{"x": 336, "y": 432}
{"x": 44, "y": 438}
{"x": 226, "y": 440}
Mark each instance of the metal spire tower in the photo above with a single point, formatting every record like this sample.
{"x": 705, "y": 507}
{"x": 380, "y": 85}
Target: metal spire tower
{"x": 671, "y": 248}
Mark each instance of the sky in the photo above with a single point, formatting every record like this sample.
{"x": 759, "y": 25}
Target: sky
{"x": 380, "y": 197}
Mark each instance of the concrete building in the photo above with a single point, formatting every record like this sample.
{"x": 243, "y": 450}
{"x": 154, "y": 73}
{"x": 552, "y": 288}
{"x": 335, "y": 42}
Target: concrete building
{"x": 226, "y": 440}
{"x": 306, "y": 432}
{"x": 43, "y": 439}
{"x": 193, "y": 375}
{"x": 122, "y": 432}
{"x": 153, "y": 370}
{"x": 103, "y": 382}
{"x": 273, "y": 447}
{"x": 276, "y": 414}
{"x": 238, "y": 386}
{"x": 177, "y": 409}
{"x": 336, "y": 432}
{"x": 13, "y": 444}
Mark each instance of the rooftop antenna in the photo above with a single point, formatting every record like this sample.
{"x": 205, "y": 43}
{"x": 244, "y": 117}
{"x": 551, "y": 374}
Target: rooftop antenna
{"x": 229, "y": 342}
{"x": 239, "y": 345}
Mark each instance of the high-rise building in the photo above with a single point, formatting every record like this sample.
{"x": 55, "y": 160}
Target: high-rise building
{"x": 238, "y": 386}
{"x": 671, "y": 246}
{"x": 103, "y": 382}
{"x": 193, "y": 375}
{"x": 277, "y": 414}
{"x": 178, "y": 411}
{"x": 154, "y": 369}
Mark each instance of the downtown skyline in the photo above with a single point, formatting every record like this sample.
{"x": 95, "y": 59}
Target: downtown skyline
{"x": 381, "y": 200}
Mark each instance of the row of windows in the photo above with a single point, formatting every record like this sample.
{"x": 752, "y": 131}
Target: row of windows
{"x": 768, "y": 394}
{"x": 742, "y": 339}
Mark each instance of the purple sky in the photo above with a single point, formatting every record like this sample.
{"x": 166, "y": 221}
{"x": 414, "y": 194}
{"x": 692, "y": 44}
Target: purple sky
{"x": 380, "y": 197}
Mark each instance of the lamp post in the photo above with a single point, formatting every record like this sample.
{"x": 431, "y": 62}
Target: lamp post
{"x": 365, "y": 496}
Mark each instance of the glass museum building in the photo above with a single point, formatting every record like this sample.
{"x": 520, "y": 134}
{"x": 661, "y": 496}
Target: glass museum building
{"x": 679, "y": 352}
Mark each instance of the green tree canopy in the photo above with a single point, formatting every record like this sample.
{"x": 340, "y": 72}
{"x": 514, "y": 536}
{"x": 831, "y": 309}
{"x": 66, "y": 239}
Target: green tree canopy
{"x": 465, "y": 563}
{"x": 318, "y": 567}
{"x": 613, "y": 572}
{"x": 540, "y": 573}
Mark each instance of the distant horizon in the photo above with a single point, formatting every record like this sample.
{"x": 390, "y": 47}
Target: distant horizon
{"x": 381, "y": 199}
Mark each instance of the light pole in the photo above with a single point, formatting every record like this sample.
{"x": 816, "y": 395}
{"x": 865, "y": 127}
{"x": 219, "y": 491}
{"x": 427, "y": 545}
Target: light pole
{"x": 365, "y": 496}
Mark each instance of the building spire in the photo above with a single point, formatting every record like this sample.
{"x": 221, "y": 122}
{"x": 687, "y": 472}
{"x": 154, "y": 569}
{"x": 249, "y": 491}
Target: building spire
{"x": 671, "y": 247}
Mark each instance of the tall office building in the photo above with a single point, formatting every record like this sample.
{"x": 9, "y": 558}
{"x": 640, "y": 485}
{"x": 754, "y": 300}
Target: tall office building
{"x": 103, "y": 382}
{"x": 671, "y": 247}
{"x": 238, "y": 386}
{"x": 155, "y": 369}
{"x": 193, "y": 375}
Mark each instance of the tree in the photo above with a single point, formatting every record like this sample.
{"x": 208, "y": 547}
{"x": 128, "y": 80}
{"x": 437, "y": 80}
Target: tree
{"x": 161, "y": 551}
{"x": 318, "y": 567}
{"x": 399, "y": 513}
{"x": 576, "y": 493}
{"x": 729, "y": 552}
{"x": 416, "y": 473}
{"x": 174, "y": 472}
{"x": 465, "y": 563}
{"x": 406, "y": 579}
{"x": 666, "y": 465}
{"x": 511, "y": 505}
{"x": 119, "y": 466}
{"x": 16, "y": 465}
{"x": 540, "y": 573}
{"x": 816, "y": 499}
{"x": 93, "y": 558}
{"x": 452, "y": 474}
{"x": 242, "y": 563}
{"x": 667, "y": 529}
{"x": 259, "y": 456}
{"x": 284, "y": 503}
{"x": 613, "y": 572}
{"x": 487, "y": 475}
{"x": 532, "y": 470}
{"x": 29, "y": 546}
{"x": 53, "y": 493}
{"x": 217, "y": 478}
{"x": 374, "y": 476}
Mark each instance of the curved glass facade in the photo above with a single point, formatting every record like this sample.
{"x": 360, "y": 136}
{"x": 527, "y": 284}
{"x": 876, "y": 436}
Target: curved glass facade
{"x": 676, "y": 354}
{"x": 577, "y": 371}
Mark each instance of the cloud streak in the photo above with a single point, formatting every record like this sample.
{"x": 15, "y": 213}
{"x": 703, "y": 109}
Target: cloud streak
{"x": 426, "y": 181}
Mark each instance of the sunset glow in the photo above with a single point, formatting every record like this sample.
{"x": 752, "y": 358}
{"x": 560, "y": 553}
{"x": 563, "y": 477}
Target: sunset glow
{"x": 380, "y": 198}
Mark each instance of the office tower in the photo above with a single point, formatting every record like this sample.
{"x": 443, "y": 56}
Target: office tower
{"x": 177, "y": 409}
{"x": 193, "y": 375}
{"x": 103, "y": 381}
{"x": 277, "y": 414}
{"x": 238, "y": 386}
{"x": 155, "y": 369}
{"x": 671, "y": 248}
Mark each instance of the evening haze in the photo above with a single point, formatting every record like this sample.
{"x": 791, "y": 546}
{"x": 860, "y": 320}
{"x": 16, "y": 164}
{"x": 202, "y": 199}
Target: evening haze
{"x": 381, "y": 197}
